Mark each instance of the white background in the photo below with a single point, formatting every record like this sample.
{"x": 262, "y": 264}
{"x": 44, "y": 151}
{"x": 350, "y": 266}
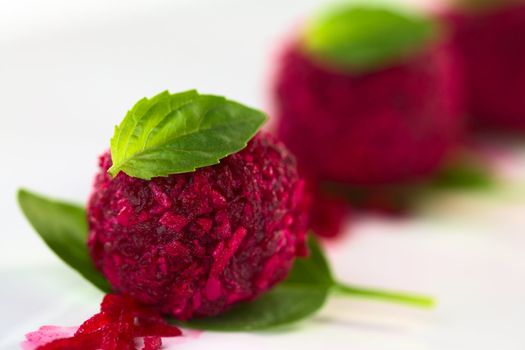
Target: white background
{"x": 69, "y": 70}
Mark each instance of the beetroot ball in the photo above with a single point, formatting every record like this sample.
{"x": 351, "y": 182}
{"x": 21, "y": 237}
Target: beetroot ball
{"x": 491, "y": 44}
{"x": 194, "y": 244}
{"x": 393, "y": 124}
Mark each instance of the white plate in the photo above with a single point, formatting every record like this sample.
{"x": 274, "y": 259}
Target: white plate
{"x": 70, "y": 70}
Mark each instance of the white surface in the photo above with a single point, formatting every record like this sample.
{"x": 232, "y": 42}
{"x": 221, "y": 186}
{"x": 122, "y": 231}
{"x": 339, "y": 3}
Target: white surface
{"x": 69, "y": 70}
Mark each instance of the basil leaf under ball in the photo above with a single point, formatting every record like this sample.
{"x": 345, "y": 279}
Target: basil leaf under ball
{"x": 64, "y": 228}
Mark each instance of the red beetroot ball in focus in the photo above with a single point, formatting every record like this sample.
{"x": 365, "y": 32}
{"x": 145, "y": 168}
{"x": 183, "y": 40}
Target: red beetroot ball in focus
{"x": 491, "y": 44}
{"x": 193, "y": 244}
{"x": 392, "y": 125}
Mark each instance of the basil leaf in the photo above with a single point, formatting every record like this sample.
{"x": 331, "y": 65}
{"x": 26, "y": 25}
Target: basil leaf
{"x": 63, "y": 227}
{"x": 361, "y": 39}
{"x": 464, "y": 172}
{"x": 302, "y": 294}
{"x": 178, "y": 133}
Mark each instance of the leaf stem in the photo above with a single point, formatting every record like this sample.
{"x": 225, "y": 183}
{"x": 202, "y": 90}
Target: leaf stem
{"x": 422, "y": 301}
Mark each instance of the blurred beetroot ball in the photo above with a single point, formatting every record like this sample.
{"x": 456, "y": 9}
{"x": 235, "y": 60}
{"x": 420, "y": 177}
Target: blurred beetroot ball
{"x": 491, "y": 43}
{"x": 193, "y": 244}
{"x": 390, "y": 124}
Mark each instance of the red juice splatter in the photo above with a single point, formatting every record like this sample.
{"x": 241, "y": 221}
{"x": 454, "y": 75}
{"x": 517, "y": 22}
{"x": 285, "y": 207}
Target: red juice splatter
{"x": 119, "y": 324}
{"x": 46, "y": 334}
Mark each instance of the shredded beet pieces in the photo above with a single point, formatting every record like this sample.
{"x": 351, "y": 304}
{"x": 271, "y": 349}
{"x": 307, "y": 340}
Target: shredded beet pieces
{"x": 120, "y": 322}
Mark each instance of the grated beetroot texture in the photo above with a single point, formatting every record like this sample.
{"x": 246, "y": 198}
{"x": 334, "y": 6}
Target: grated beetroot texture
{"x": 394, "y": 125}
{"x": 492, "y": 47}
{"x": 194, "y": 244}
{"x": 118, "y": 325}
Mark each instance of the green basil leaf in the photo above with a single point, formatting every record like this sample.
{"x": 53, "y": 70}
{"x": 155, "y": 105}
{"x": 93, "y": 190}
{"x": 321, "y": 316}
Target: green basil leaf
{"x": 360, "y": 39}
{"x": 178, "y": 133}
{"x": 302, "y": 294}
{"x": 464, "y": 172}
{"x": 63, "y": 227}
